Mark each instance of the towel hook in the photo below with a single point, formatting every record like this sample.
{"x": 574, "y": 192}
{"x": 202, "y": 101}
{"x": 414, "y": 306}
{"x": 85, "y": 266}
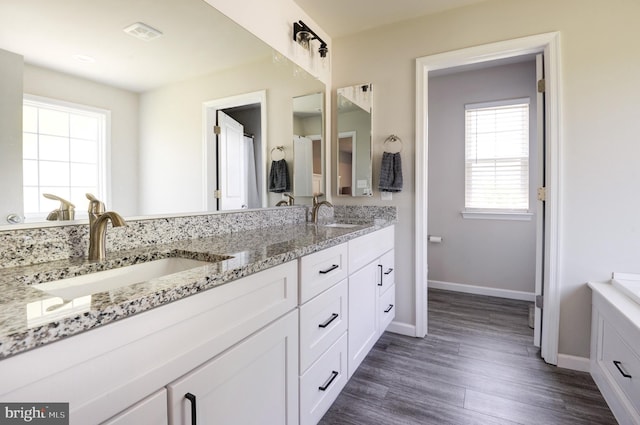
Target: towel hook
{"x": 392, "y": 140}
{"x": 281, "y": 150}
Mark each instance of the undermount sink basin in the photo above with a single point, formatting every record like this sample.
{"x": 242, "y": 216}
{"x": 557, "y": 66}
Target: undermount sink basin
{"x": 92, "y": 283}
{"x": 341, "y": 225}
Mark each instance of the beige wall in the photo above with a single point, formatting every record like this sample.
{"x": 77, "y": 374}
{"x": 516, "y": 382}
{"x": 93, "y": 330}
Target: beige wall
{"x": 600, "y": 64}
{"x": 171, "y": 140}
{"x": 123, "y": 106}
{"x": 11, "y": 68}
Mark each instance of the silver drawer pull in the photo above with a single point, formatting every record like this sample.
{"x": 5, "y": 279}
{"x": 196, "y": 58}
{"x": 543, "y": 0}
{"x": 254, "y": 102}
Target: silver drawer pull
{"x": 335, "y": 266}
{"x": 625, "y": 374}
{"x": 333, "y": 317}
{"x": 389, "y": 308}
{"x": 389, "y": 271}
{"x": 334, "y": 375}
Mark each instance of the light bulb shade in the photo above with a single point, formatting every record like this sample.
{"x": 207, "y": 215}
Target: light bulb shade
{"x": 303, "y": 38}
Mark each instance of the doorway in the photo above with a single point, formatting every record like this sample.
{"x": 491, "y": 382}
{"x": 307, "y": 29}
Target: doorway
{"x": 547, "y": 45}
{"x": 235, "y": 144}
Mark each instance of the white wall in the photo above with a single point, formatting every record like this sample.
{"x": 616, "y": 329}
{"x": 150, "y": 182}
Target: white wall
{"x": 496, "y": 254}
{"x": 11, "y": 68}
{"x": 124, "y": 126}
{"x": 600, "y": 64}
{"x": 171, "y": 139}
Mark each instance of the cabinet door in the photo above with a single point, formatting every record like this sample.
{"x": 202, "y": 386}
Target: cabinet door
{"x": 363, "y": 330}
{"x": 150, "y": 411}
{"x": 386, "y": 267}
{"x": 254, "y": 382}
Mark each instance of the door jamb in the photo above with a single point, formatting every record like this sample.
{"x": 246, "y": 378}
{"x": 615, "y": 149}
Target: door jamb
{"x": 549, "y": 44}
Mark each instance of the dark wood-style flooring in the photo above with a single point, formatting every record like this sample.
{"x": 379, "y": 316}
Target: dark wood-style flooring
{"x": 478, "y": 365}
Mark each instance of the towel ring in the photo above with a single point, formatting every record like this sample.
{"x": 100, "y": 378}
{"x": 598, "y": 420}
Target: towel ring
{"x": 281, "y": 150}
{"x": 392, "y": 140}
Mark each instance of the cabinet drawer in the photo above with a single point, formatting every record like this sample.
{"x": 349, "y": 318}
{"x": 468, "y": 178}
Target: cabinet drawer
{"x": 321, "y": 270}
{"x": 322, "y": 383}
{"x": 386, "y": 309}
{"x": 322, "y": 321}
{"x": 369, "y": 247}
{"x": 620, "y": 360}
{"x": 386, "y": 267}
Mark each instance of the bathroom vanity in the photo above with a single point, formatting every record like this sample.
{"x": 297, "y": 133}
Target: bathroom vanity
{"x": 268, "y": 332}
{"x": 615, "y": 345}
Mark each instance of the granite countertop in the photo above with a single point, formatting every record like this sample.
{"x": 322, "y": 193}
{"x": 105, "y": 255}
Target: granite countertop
{"x": 31, "y": 318}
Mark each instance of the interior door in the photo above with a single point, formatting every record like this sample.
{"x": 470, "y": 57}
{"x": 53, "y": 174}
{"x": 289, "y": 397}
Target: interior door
{"x": 231, "y": 164}
{"x": 541, "y": 206}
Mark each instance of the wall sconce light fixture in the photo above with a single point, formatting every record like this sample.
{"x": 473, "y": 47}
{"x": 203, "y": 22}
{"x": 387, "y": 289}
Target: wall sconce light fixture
{"x": 303, "y": 35}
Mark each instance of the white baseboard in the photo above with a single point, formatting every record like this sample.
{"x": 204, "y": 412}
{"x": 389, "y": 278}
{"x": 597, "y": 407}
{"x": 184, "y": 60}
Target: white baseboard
{"x": 402, "y": 328}
{"x": 581, "y": 364}
{"x": 482, "y": 290}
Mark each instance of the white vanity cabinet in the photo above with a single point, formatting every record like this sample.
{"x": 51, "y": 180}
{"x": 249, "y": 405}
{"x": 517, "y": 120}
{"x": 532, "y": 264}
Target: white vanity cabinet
{"x": 371, "y": 292}
{"x": 105, "y": 372}
{"x": 323, "y": 326}
{"x": 615, "y": 351}
{"x": 254, "y": 382}
{"x": 150, "y": 411}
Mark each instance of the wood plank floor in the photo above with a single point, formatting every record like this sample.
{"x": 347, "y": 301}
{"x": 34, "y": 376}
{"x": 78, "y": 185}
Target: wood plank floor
{"x": 478, "y": 365}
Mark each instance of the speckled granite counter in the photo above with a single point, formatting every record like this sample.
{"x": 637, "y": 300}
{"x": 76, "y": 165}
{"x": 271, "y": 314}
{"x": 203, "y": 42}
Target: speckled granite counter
{"x": 25, "y": 322}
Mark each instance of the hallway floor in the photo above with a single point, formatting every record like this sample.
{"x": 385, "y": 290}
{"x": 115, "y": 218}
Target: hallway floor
{"x": 478, "y": 365}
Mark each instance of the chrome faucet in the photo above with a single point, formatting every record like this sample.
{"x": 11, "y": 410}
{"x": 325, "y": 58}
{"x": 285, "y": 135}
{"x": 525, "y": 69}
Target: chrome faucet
{"x": 98, "y": 219}
{"x": 316, "y": 207}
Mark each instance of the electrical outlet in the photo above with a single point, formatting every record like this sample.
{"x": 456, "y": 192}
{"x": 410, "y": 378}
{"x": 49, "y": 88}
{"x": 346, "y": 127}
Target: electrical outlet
{"x": 386, "y": 196}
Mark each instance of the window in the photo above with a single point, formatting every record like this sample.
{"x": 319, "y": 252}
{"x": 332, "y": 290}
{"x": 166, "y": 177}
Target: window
{"x": 497, "y": 157}
{"x": 63, "y": 149}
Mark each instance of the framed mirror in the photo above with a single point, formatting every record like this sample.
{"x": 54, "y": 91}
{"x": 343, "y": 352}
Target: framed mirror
{"x": 354, "y": 170}
{"x": 308, "y": 142}
{"x": 161, "y": 154}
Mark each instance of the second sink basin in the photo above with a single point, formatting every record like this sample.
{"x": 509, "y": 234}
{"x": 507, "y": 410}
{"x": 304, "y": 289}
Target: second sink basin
{"x": 341, "y": 225}
{"x": 92, "y": 283}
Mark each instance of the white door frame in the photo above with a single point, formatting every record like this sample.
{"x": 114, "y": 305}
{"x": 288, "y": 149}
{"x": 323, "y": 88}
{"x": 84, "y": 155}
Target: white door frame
{"x": 209, "y": 109}
{"x": 549, "y": 44}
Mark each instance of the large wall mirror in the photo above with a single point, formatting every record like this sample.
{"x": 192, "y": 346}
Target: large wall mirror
{"x": 161, "y": 85}
{"x": 354, "y": 140}
{"x": 308, "y": 144}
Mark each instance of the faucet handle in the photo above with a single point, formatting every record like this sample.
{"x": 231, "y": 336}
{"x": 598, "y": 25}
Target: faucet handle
{"x": 290, "y": 199}
{"x": 316, "y": 195}
{"x": 66, "y": 211}
{"x": 95, "y": 206}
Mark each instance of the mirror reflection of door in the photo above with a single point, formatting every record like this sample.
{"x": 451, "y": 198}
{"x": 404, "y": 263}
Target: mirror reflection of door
{"x": 231, "y": 161}
{"x": 346, "y": 158}
{"x": 307, "y": 145}
{"x": 354, "y": 134}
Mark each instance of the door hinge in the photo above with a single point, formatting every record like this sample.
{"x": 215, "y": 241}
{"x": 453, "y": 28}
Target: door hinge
{"x": 541, "y": 86}
{"x": 216, "y": 129}
{"x": 217, "y": 194}
{"x": 542, "y": 194}
{"x": 539, "y": 302}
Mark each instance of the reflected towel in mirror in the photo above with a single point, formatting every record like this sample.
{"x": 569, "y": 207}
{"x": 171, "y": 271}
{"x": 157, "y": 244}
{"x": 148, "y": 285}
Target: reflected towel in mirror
{"x": 391, "y": 172}
{"x": 279, "y": 181}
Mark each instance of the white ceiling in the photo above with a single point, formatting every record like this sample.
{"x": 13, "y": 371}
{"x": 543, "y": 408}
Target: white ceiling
{"x": 343, "y": 17}
{"x": 197, "y": 39}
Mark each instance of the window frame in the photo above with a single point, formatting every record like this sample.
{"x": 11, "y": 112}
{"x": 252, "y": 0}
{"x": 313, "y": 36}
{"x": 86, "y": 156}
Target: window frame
{"x": 103, "y": 148}
{"x": 523, "y": 214}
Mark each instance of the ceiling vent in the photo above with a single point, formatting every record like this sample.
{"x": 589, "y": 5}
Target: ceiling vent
{"x": 143, "y": 31}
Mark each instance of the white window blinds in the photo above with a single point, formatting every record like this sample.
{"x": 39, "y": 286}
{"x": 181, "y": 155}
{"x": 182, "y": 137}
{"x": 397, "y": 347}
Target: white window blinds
{"x": 497, "y": 156}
